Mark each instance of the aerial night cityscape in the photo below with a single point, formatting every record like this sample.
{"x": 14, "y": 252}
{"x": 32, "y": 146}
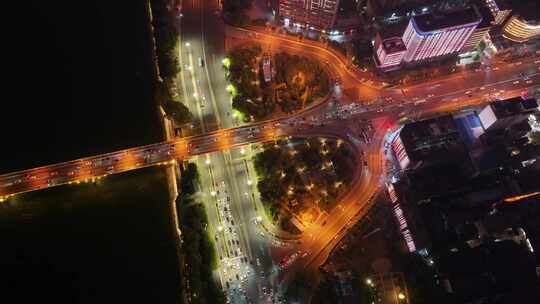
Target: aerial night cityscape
{"x": 271, "y": 151}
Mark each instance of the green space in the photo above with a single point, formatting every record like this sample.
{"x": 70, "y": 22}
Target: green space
{"x": 302, "y": 177}
{"x": 363, "y": 54}
{"x": 174, "y": 110}
{"x": 296, "y": 82}
{"x": 166, "y": 36}
{"x": 103, "y": 242}
{"x": 198, "y": 247}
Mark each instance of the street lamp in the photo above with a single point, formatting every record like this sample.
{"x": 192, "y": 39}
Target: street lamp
{"x": 188, "y": 44}
{"x": 401, "y": 296}
{"x": 207, "y": 161}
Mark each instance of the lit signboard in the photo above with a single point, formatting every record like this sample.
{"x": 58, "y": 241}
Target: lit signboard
{"x": 400, "y": 217}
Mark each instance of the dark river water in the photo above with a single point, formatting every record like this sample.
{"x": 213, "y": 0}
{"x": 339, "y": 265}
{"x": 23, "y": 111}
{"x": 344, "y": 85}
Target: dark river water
{"x": 77, "y": 80}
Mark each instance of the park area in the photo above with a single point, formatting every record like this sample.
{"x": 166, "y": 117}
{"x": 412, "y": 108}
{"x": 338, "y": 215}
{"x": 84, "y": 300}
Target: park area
{"x": 265, "y": 85}
{"x": 301, "y": 179}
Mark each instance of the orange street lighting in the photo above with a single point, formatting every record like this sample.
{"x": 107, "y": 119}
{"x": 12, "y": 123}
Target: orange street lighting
{"x": 520, "y": 197}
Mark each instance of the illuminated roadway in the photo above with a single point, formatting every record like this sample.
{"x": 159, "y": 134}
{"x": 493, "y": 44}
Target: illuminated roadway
{"x": 182, "y": 148}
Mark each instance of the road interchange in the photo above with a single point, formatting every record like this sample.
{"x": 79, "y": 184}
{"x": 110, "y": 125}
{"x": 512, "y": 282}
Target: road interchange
{"x": 384, "y": 107}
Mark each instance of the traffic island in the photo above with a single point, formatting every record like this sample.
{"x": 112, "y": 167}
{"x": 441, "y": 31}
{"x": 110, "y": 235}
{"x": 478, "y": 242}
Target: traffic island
{"x": 265, "y": 85}
{"x": 300, "y": 180}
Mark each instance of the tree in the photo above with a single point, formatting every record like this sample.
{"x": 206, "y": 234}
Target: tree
{"x": 166, "y": 39}
{"x": 178, "y": 111}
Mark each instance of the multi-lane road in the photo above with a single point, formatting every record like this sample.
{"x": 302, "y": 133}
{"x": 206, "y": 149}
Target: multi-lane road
{"x": 228, "y": 181}
{"x": 228, "y": 186}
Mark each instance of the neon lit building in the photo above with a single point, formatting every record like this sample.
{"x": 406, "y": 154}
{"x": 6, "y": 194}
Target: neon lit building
{"x": 433, "y": 35}
{"x": 519, "y": 29}
{"x": 389, "y": 49}
{"x": 314, "y": 14}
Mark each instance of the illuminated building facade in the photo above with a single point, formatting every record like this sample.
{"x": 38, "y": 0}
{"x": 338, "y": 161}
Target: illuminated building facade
{"x": 389, "y": 48}
{"x": 401, "y": 219}
{"x": 433, "y": 35}
{"x": 313, "y": 14}
{"x": 519, "y": 29}
{"x": 430, "y": 36}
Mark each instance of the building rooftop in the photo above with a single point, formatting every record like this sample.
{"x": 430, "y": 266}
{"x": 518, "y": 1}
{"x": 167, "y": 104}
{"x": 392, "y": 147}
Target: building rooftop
{"x": 513, "y": 106}
{"x": 432, "y": 139}
{"x": 438, "y": 21}
{"x": 393, "y": 45}
{"x": 485, "y": 272}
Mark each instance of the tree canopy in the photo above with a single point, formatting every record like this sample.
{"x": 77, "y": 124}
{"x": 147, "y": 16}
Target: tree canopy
{"x": 177, "y": 111}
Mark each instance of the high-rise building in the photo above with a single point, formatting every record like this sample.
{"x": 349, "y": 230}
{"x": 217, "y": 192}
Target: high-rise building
{"x": 429, "y": 36}
{"x": 389, "y": 51}
{"x": 313, "y": 14}
{"x": 438, "y": 34}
